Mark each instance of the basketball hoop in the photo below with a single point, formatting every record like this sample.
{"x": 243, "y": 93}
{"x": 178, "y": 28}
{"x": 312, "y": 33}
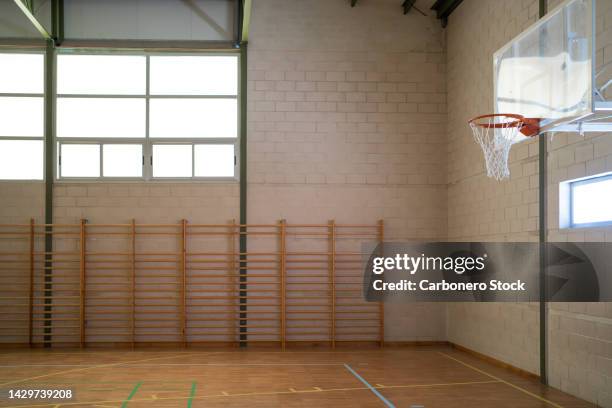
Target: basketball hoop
{"x": 496, "y": 133}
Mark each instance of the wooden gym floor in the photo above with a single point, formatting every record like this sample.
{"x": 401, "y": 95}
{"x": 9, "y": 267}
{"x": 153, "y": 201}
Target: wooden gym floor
{"x": 394, "y": 377}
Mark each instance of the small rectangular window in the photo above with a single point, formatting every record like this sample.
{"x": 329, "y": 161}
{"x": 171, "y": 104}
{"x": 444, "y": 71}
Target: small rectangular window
{"x": 80, "y": 160}
{"x": 101, "y": 74}
{"x": 22, "y": 116}
{"x": 22, "y": 73}
{"x": 121, "y": 160}
{"x": 21, "y": 159}
{"x": 194, "y": 75}
{"x": 194, "y": 118}
{"x": 590, "y": 202}
{"x": 104, "y": 118}
{"x": 172, "y": 161}
{"x": 214, "y": 160}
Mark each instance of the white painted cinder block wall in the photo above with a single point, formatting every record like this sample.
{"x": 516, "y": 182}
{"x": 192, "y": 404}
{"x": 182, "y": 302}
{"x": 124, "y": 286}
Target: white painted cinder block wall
{"x": 347, "y": 111}
{"x": 346, "y": 121}
{"x": 579, "y": 334}
{"x": 481, "y": 209}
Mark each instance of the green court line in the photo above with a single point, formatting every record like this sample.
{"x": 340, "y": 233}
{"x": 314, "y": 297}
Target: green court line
{"x": 125, "y": 402}
{"x": 192, "y": 394}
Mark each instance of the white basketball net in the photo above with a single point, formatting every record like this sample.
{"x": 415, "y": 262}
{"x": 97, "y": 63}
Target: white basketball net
{"x": 496, "y": 135}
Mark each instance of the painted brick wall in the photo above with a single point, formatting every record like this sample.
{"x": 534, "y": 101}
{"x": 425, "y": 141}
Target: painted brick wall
{"x": 348, "y": 120}
{"x": 347, "y": 111}
{"x": 580, "y": 335}
{"x": 481, "y": 209}
{"x": 346, "y": 115}
{"x": 145, "y": 202}
{"x": 21, "y": 201}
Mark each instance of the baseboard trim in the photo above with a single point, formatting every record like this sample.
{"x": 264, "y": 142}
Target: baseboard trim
{"x": 495, "y": 362}
{"x": 415, "y": 343}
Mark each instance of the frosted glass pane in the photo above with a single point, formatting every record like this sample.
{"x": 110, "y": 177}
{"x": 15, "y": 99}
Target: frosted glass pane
{"x": 172, "y": 161}
{"x": 22, "y": 117}
{"x": 101, "y": 74}
{"x": 80, "y": 160}
{"x": 214, "y": 160}
{"x": 22, "y": 73}
{"x": 194, "y": 118}
{"x": 21, "y": 159}
{"x": 546, "y": 71}
{"x": 591, "y": 202}
{"x": 110, "y": 117}
{"x": 194, "y": 75}
{"x": 122, "y": 160}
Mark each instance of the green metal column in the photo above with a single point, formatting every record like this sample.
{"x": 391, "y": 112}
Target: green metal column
{"x": 57, "y": 21}
{"x": 49, "y": 175}
{"x": 56, "y": 36}
{"x": 243, "y": 17}
{"x": 243, "y": 193}
{"x": 543, "y": 225}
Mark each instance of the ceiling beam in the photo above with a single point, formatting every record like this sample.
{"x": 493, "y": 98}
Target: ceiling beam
{"x": 246, "y": 20}
{"x": 409, "y": 5}
{"x": 444, "y": 9}
{"x": 30, "y": 16}
{"x": 57, "y": 21}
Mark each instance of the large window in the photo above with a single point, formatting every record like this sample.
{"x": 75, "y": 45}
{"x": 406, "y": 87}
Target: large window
{"x": 590, "y": 201}
{"x": 147, "y": 116}
{"x": 21, "y": 116}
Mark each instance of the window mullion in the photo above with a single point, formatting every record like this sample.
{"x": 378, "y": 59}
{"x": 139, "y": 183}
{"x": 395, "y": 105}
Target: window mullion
{"x": 147, "y": 149}
{"x": 58, "y": 146}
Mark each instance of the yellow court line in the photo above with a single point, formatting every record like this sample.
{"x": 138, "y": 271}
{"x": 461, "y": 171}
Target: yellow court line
{"x": 252, "y": 394}
{"x": 252, "y": 351}
{"x": 173, "y": 365}
{"x": 504, "y": 381}
{"x": 164, "y": 391}
{"x": 439, "y": 384}
{"x": 93, "y": 353}
{"x": 94, "y": 367}
{"x": 101, "y": 383}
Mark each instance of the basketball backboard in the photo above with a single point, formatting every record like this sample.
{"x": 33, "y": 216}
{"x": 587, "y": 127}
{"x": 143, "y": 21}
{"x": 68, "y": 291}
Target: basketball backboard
{"x": 549, "y": 70}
